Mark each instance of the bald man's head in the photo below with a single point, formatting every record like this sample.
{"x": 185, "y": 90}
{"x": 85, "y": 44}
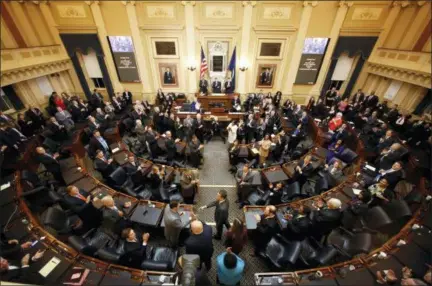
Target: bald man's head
{"x": 196, "y": 227}
{"x": 269, "y": 210}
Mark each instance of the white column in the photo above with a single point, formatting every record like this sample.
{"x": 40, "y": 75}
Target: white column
{"x": 102, "y": 33}
{"x": 190, "y": 45}
{"x": 298, "y": 46}
{"x": 245, "y": 43}
{"x": 334, "y": 33}
{"x": 388, "y": 24}
{"x": 139, "y": 49}
{"x": 46, "y": 13}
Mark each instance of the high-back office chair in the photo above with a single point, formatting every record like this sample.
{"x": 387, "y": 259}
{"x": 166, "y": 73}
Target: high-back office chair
{"x": 119, "y": 180}
{"x": 57, "y": 221}
{"x": 90, "y": 242}
{"x": 281, "y": 253}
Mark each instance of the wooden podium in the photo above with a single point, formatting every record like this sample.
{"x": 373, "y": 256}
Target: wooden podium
{"x": 216, "y": 101}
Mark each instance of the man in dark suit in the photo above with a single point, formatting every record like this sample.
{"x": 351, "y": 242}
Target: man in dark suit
{"x": 236, "y": 104}
{"x": 96, "y": 99}
{"x": 275, "y": 194}
{"x": 170, "y": 147}
{"x": 134, "y": 248}
{"x": 58, "y": 130}
{"x": 229, "y": 88}
{"x": 303, "y": 170}
{"x": 203, "y": 86}
{"x": 50, "y": 163}
{"x": 113, "y": 221}
{"x": 132, "y": 165}
{"x": 221, "y": 205}
{"x": 392, "y": 175}
{"x": 127, "y": 97}
{"x": 388, "y": 156}
{"x": 103, "y": 165}
{"x": 328, "y": 217}
{"x": 386, "y": 141}
{"x": 200, "y": 243}
{"x": 14, "y": 271}
{"x": 98, "y": 143}
{"x": 198, "y": 127}
{"x": 267, "y": 226}
{"x": 371, "y": 100}
{"x": 330, "y": 96}
{"x": 34, "y": 115}
{"x": 11, "y": 137}
{"x": 76, "y": 199}
{"x": 358, "y": 97}
{"x": 216, "y": 86}
{"x": 266, "y": 77}
{"x": 244, "y": 177}
{"x": 299, "y": 224}
{"x": 168, "y": 77}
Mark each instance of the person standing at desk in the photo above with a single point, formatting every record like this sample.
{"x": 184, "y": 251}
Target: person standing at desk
{"x": 113, "y": 216}
{"x": 173, "y": 223}
{"x": 216, "y": 86}
{"x": 229, "y": 86}
{"x": 203, "y": 86}
{"x": 221, "y": 205}
{"x": 243, "y": 177}
{"x": 267, "y": 226}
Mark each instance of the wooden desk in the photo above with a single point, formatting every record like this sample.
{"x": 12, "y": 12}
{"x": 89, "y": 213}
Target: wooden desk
{"x": 210, "y": 101}
{"x": 222, "y": 116}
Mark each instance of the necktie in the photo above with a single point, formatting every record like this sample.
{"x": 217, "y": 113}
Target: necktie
{"x": 81, "y": 197}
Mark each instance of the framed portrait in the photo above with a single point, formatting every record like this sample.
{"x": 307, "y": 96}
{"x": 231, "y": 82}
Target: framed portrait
{"x": 270, "y": 48}
{"x": 168, "y": 75}
{"x": 165, "y": 48}
{"x": 266, "y": 75}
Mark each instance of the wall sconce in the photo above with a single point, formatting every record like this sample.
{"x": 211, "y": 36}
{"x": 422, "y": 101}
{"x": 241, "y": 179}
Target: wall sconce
{"x": 243, "y": 65}
{"x": 191, "y": 68}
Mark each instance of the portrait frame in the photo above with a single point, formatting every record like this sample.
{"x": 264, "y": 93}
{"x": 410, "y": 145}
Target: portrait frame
{"x": 262, "y": 68}
{"x": 171, "y": 43}
{"x": 261, "y": 44}
{"x": 173, "y": 69}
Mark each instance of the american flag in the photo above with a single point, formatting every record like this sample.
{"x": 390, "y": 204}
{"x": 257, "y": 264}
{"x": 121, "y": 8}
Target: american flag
{"x": 204, "y": 67}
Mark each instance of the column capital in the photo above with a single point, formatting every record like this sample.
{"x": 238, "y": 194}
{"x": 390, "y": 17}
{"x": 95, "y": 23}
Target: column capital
{"x": 128, "y": 2}
{"x": 346, "y": 3}
{"x": 421, "y": 3}
{"x": 36, "y": 2}
{"x": 312, "y": 3}
{"x": 92, "y": 2}
{"x": 251, "y": 3}
{"x": 402, "y": 4}
{"x": 185, "y": 3}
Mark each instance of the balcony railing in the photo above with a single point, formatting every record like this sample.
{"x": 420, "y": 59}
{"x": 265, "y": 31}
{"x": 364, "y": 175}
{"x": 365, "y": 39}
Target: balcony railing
{"x": 419, "y": 62}
{"x": 15, "y": 59}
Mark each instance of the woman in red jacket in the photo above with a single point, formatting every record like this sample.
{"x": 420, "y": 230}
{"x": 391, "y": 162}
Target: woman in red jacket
{"x": 335, "y": 122}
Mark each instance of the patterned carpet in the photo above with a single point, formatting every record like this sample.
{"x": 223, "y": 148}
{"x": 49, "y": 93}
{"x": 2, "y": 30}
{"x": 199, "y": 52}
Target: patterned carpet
{"x": 214, "y": 176}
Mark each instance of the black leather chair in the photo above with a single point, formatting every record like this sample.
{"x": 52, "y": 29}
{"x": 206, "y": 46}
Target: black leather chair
{"x": 257, "y": 197}
{"x": 120, "y": 180}
{"x": 281, "y": 252}
{"x": 171, "y": 193}
{"x": 291, "y": 192}
{"x": 33, "y": 189}
{"x": 376, "y": 219}
{"x": 321, "y": 185}
{"x": 112, "y": 251}
{"x": 57, "y": 221}
{"x": 314, "y": 254}
{"x": 160, "y": 259}
{"x": 349, "y": 243}
{"x": 90, "y": 242}
{"x": 399, "y": 212}
{"x": 348, "y": 156}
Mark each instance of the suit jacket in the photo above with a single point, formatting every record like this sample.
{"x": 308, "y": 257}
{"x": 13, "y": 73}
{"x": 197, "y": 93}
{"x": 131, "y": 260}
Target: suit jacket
{"x": 393, "y": 178}
{"x": 299, "y": 224}
{"x": 221, "y": 210}
{"x": 371, "y": 100}
{"x": 247, "y": 179}
{"x": 216, "y": 86}
{"x": 168, "y": 77}
{"x": 229, "y": 89}
{"x": 94, "y": 145}
{"x": 54, "y": 128}
{"x": 200, "y": 244}
{"x": 266, "y": 228}
{"x": 327, "y": 216}
{"x": 134, "y": 252}
{"x": 358, "y": 97}
{"x": 306, "y": 170}
{"x": 127, "y": 97}
{"x": 173, "y": 226}
{"x": 266, "y": 78}
{"x": 130, "y": 168}
{"x": 51, "y": 164}
{"x": 111, "y": 218}
{"x": 103, "y": 167}
{"x": 36, "y": 117}
{"x": 75, "y": 204}
{"x": 203, "y": 85}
